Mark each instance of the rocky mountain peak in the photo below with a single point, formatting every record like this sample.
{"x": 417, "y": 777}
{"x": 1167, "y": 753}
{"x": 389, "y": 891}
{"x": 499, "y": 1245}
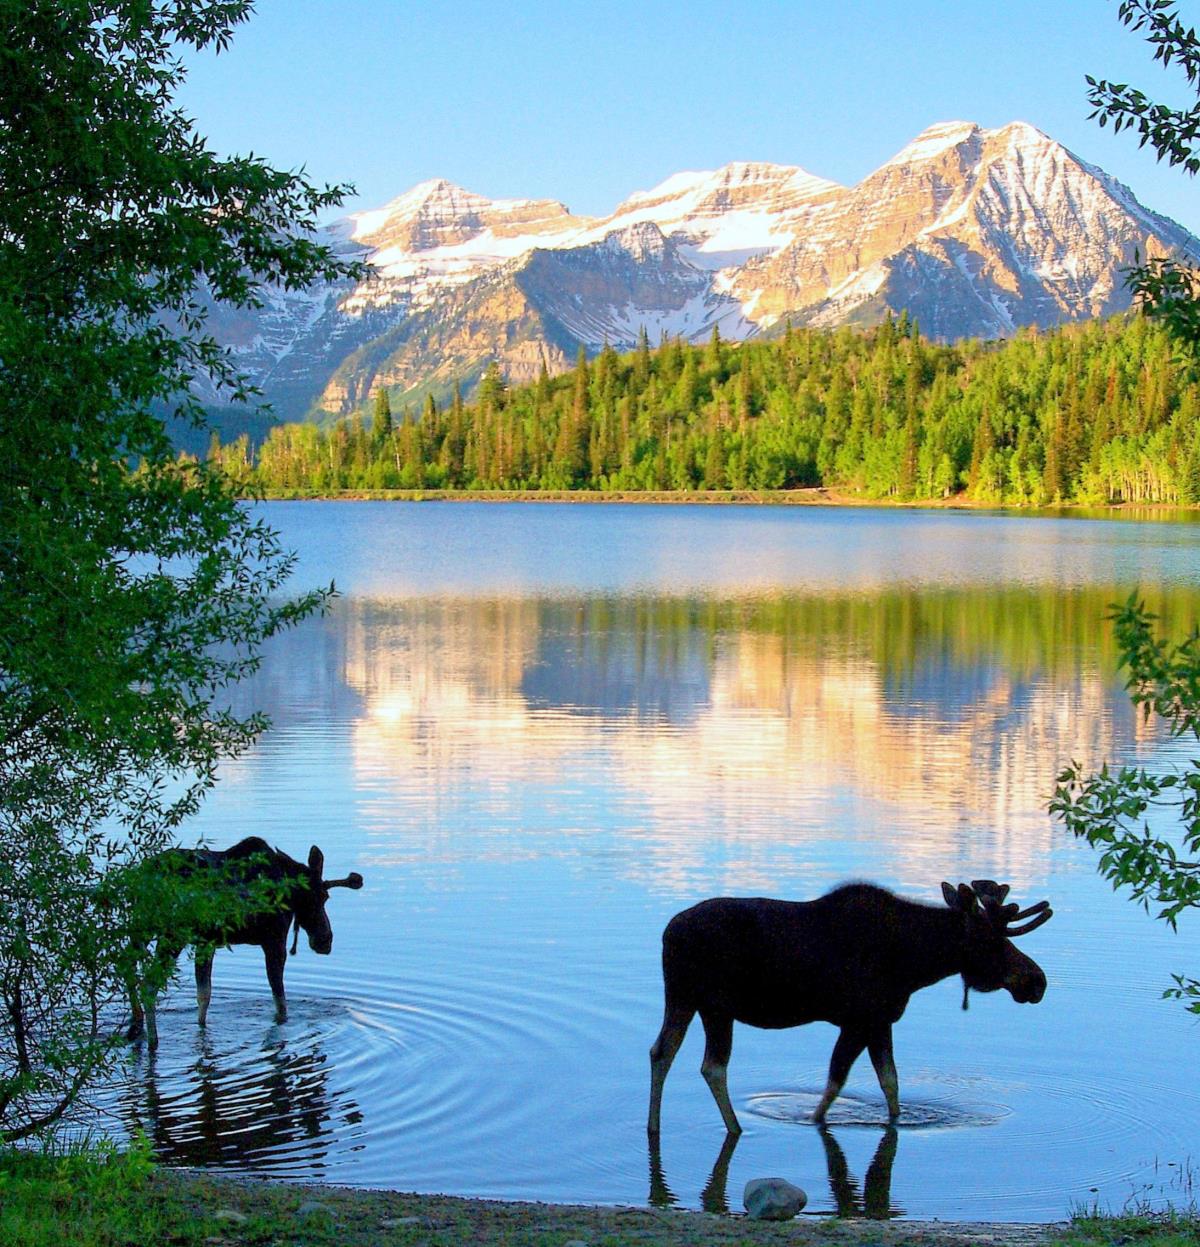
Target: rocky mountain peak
{"x": 640, "y": 241}
{"x": 975, "y": 232}
{"x": 436, "y": 199}
{"x": 935, "y": 141}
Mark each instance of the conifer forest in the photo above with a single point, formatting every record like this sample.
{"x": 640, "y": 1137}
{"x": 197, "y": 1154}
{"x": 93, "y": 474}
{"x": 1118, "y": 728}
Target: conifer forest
{"x": 1093, "y": 413}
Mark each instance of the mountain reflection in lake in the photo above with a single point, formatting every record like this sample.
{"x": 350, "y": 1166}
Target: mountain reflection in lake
{"x": 536, "y": 767}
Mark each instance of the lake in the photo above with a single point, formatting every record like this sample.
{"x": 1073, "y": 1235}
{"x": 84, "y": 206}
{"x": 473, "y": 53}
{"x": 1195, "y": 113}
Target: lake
{"x": 540, "y": 730}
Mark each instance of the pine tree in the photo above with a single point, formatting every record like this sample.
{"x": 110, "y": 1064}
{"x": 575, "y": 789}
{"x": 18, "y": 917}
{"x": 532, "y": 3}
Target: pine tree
{"x": 1054, "y": 480}
{"x": 714, "y": 462}
{"x": 981, "y": 447}
{"x": 745, "y": 390}
{"x": 910, "y": 449}
{"x": 714, "y": 358}
{"x": 579, "y": 396}
{"x": 1189, "y": 490}
{"x": 606, "y": 372}
{"x": 689, "y": 384}
{"x": 454, "y": 446}
{"x": 381, "y": 421}
{"x": 492, "y": 388}
{"x": 641, "y": 363}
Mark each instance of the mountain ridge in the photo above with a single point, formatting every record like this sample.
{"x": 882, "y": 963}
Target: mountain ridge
{"x": 973, "y": 232}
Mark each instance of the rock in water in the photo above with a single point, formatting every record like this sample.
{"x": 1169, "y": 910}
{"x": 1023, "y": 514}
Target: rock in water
{"x": 773, "y": 1199}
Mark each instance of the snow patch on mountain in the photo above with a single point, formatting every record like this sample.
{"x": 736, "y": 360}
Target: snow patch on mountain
{"x": 692, "y": 320}
{"x": 934, "y": 141}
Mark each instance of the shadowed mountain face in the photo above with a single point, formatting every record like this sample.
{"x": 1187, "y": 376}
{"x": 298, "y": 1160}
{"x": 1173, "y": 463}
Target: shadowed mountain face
{"x": 973, "y": 232}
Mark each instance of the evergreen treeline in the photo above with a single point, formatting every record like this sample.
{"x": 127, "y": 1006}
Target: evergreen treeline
{"x": 1099, "y": 412}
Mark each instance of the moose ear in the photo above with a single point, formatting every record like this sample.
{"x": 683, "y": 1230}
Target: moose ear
{"x": 316, "y": 861}
{"x": 951, "y": 895}
{"x": 968, "y": 902}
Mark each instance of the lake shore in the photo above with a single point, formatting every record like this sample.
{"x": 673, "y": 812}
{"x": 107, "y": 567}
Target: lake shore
{"x": 364, "y": 1218}
{"x": 104, "y": 1197}
{"x": 817, "y": 496}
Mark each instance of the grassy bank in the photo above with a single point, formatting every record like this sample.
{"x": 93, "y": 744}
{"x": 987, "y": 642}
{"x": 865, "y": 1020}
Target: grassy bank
{"x": 1161, "y": 1230}
{"x": 112, "y": 1199}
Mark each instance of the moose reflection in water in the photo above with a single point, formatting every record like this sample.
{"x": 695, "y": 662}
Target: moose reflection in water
{"x": 853, "y": 957}
{"x": 873, "y": 1202}
{"x": 282, "y": 893}
{"x": 265, "y": 1107}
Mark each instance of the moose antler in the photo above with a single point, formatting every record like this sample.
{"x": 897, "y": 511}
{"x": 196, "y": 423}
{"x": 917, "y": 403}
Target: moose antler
{"x": 991, "y": 896}
{"x": 1044, "y": 914}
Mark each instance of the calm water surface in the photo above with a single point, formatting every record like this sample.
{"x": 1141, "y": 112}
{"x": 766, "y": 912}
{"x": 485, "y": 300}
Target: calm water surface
{"x": 540, "y": 730}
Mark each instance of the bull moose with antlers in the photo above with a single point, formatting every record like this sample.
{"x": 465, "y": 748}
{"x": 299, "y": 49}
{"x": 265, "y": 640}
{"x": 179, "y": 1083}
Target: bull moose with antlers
{"x": 268, "y": 893}
{"x": 852, "y": 957}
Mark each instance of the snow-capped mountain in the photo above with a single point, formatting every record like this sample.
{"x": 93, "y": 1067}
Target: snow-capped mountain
{"x": 974, "y": 232}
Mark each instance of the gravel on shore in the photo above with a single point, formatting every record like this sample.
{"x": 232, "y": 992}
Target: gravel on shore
{"x": 370, "y": 1218}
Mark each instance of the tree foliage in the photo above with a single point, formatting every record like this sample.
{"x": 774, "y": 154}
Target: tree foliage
{"x": 1146, "y": 824}
{"x": 129, "y": 599}
{"x": 1093, "y": 413}
{"x": 1168, "y": 287}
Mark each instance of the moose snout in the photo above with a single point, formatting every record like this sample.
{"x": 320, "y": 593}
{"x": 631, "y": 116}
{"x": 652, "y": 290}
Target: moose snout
{"x": 1027, "y": 989}
{"x": 323, "y": 945}
{"x": 1023, "y": 977}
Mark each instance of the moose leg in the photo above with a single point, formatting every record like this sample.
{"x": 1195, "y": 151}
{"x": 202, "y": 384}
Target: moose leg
{"x": 166, "y": 954}
{"x": 846, "y": 1051}
{"x": 880, "y": 1048}
{"x": 151, "y": 1019}
{"x": 674, "y": 1027}
{"x": 276, "y": 959}
{"x": 137, "y": 1015}
{"x": 718, "y": 1034}
{"x": 203, "y": 985}
{"x": 133, "y": 990}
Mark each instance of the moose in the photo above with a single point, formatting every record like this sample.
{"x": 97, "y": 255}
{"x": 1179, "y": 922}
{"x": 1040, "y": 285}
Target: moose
{"x": 256, "y": 894}
{"x": 852, "y": 957}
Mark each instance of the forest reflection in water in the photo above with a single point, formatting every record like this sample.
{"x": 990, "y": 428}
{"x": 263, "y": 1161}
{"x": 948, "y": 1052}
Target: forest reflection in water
{"x": 532, "y": 784}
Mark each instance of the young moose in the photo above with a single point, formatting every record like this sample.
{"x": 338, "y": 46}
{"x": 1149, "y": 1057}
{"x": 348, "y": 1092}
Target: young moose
{"x": 853, "y": 957}
{"x": 268, "y": 891}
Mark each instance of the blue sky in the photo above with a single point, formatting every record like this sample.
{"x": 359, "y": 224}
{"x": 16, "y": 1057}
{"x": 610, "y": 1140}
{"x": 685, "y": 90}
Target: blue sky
{"x": 585, "y": 102}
